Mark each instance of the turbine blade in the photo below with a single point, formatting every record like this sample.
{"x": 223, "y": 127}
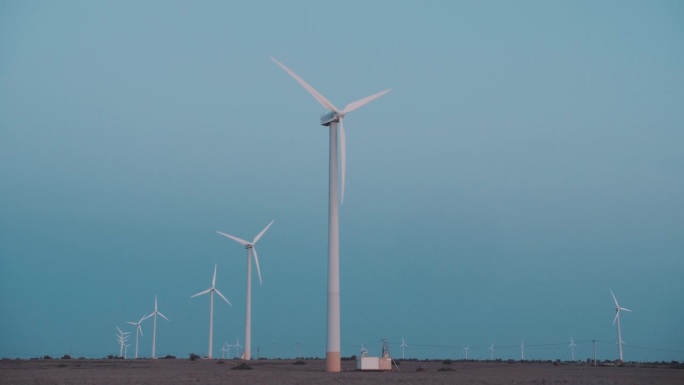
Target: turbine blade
{"x": 139, "y": 328}
{"x": 163, "y": 316}
{"x": 343, "y": 158}
{"x": 256, "y": 261}
{"x": 622, "y": 308}
{"x": 236, "y": 239}
{"x": 256, "y": 239}
{"x": 200, "y": 293}
{"x": 321, "y": 99}
{"x": 617, "y": 315}
{"x": 132, "y": 323}
{"x": 213, "y": 281}
{"x": 144, "y": 317}
{"x": 614, "y": 299}
{"x": 222, "y": 296}
{"x": 361, "y": 102}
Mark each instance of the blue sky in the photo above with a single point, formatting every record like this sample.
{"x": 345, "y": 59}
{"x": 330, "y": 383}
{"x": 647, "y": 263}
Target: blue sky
{"x": 528, "y": 159}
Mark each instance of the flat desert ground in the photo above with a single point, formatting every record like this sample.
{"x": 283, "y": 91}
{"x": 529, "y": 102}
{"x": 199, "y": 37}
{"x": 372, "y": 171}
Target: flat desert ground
{"x": 183, "y": 371}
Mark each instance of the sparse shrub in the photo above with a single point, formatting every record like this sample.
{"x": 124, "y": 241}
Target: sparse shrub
{"x": 445, "y": 370}
{"x": 61, "y": 366}
{"x": 194, "y": 357}
{"x": 66, "y": 357}
{"x": 169, "y": 357}
{"x": 447, "y": 362}
{"x": 299, "y": 362}
{"x": 46, "y": 357}
{"x": 420, "y": 370}
{"x": 242, "y": 366}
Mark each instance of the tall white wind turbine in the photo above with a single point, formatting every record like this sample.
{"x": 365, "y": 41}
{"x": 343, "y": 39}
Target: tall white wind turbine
{"x": 491, "y": 352}
{"x": 138, "y": 331}
{"x": 250, "y": 250}
{"x": 330, "y": 119}
{"x": 154, "y": 330}
{"x": 572, "y": 348}
{"x": 211, "y": 291}
{"x": 466, "y": 350}
{"x": 403, "y": 346}
{"x": 618, "y": 308}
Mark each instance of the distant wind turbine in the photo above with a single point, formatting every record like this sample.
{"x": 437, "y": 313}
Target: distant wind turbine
{"x": 126, "y": 351}
{"x": 491, "y": 352}
{"x": 237, "y": 348}
{"x": 211, "y": 291}
{"x": 121, "y": 339}
{"x": 223, "y": 351}
{"x": 154, "y": 330}
{"x": 618, "y": 308}
{"x": 330, "y": 119}
{"x": 572, "y": 348}
{"x": 250, "y": 250}
{"x": 138, "y": 331}
{"x": 403, "y": 346}
{"x": 466, "y": 351}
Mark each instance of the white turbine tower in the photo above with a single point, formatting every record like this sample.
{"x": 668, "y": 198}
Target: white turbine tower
{"x": 466, "y": 350}
{"x": 330, "y": 119}
{"x": 572, "y": 348}
{"x": 138, "y": 331}
{"x": 403, "y": 346}
{"x": 522, "y": 351}
{"x": 211, "y": 291}
{"x": 154, "y": 330}
{"x": 250, "y": 250}
{"x": 491, "y": 352}
{"x": 617, "y": 319}
{"x": 126, "y": 350}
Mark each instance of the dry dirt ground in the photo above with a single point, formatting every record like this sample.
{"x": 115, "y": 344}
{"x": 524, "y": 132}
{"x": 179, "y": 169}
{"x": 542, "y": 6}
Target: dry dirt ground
{"x": 183, "y": 371}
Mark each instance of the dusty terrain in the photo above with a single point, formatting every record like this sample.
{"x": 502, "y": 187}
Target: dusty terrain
{"x": 183, "y": 371}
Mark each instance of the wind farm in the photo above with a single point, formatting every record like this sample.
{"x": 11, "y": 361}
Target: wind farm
{"x": 519, "y": 189}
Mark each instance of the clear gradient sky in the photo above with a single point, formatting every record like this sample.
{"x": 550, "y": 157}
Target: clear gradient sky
{"x": 529, "y": 158}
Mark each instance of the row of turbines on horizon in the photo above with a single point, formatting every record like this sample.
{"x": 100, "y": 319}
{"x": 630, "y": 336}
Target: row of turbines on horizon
{"x": 123, "y": 336}
{"x": 336, "y": 177}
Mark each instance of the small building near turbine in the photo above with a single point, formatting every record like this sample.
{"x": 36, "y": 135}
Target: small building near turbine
{"x": 364, "y": 362}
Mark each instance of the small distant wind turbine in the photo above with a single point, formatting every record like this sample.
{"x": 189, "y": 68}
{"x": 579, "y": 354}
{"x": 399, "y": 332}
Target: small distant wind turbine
{"x": 223, "y": 351}
{"x": 403, "y": 346}
{"x": 331, "y": 119}
{"x": 237, "y": 348}
{"x": 126, "y": 351}
{"x": 121, "y": 339}
{"x": 466, "y": 351}
{"x": 250, "y": 249}
{"x": 617, "y": 319}
{"x": 491, "y": 352}
{"x": 228, "y": 346}
{"x": 211, "y": 291}
{"x": 138, "y": 331}
{"x": 572, "y": 348}
{"x": 154, "y": 330}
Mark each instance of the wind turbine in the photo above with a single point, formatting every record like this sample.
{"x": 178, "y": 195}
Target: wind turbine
{"x": 223, "y": 351}
{"x": 491, "y": 352}
{"x": 237, "y": 348}
{"x": 330, "y": 119}
{"x": 403, "y": 345}
{"x": 250, "y": 249}
{"x": 138, "y": 331}
{"x": 617, "y": 319}
{"x": 121, "y": 339}
{"x": 466, "y": 350}
{"x": 572, "y": 348}
{"x": 154, "y": 331}
{"x": 126, "y": 351}
{"x": 211, "y": 291}
{"x": 522, "y": 351}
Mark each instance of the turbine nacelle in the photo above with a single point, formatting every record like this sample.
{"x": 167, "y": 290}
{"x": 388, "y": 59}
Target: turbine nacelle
{"x": 330, "y": 117}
